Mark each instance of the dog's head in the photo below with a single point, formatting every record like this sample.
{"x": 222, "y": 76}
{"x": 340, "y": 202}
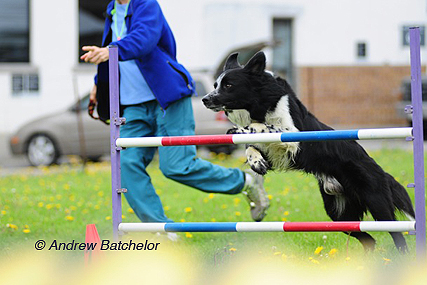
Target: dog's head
{"x": 235, "y": 87}
{"x": 242, "y": 87}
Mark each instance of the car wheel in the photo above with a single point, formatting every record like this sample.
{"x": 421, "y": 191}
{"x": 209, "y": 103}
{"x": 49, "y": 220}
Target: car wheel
{"x": 41, "y": 150}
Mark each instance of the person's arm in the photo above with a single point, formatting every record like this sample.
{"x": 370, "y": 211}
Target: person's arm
{"x": 95, "y": 54}
{"x": 147, "y": 25}
{"x": 147, "y": 21}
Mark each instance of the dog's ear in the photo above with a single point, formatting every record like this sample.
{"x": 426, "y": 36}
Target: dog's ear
{"x": 257, "y": 63}
{"x": 231, "y": 62}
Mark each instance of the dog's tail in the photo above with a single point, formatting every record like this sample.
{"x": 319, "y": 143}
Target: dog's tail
{"x": 401, "y": 199}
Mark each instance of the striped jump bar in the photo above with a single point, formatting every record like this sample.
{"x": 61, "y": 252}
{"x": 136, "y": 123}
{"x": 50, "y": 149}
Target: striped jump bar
{"x": 362, "y": 134}
{"x": 370, "y": 226}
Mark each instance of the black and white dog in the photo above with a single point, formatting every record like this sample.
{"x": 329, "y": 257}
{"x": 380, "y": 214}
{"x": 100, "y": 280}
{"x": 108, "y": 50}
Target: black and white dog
{"x": 350, "y": 181}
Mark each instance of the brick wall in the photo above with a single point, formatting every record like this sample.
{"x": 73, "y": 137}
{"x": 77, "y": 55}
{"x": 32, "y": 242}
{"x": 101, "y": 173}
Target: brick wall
{"x": 355, "y": 96}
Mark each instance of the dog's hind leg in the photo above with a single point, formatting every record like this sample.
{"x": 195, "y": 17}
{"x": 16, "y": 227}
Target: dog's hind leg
{"x": 384, "y": 214}
{"x": 339, "y": 209}
{"x": 383, "y": 210}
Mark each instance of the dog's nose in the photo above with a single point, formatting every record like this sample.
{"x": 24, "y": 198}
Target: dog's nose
{"x": 206, "y": 99}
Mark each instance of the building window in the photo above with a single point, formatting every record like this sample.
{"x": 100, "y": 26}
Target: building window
{"x": 91, "y": 22}
{"x": 14, "y": 31}
{"x": 361, "y": 50}
{"x": 25, "y": 84}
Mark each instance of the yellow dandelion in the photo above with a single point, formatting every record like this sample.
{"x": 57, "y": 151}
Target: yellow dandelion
{"x": 236, "y": 201}
{"x": 72, "y": 197}
{"x": 40, "y": 204}
{"x": 238, "y": 213}
{"x": 6, "y": 207}
{"x": 286, "y": 213}
{"x": 26, "y": 231}
{"x": 224, "y": 206}
{"x": 130, "y": 210}
{"x": 66, "y": 187}
{"x": 221, "y": 156}
{"x": 107, "y": 218}
{"x": 232, "y": 249}
{"x": 166, "y": 208}
{"x": 270, "y": 196}
{"x": 100, "y": 193}
{"x": 211, "y": 196}
{"x": 49, "y": 206}
{"x": 51, "y": 199}
{"x": 205, "y": 200}
{"x": 12, "y": 226}
{"x": 284, "y": 219}
{"x": 315, "y": 261}
{"x": 3, "y": 212}
{"x": 123, "y": 217}
{"x": 188, "y": 209}
{"x": 277, "y": 253}
{"x": 318, "y": 250}
{"x": 96, "y": 207}
{"x": 67, "y": 211}
{"x": 26, "y": 227}
{"x": 213, "y": 220}
{"x": 188, "y": 235}
{"x": 73, "y": 208}
{"x": 69, "y": 218}
{"x": 386, "y": 260}
{"x": 332, "y": 252}
{"x": 182, "y": 221}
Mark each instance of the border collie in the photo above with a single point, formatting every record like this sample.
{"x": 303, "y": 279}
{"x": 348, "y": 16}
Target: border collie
{"x": 350, "y": 181}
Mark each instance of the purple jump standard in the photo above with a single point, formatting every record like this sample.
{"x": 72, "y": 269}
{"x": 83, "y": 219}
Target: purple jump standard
{"x": 418, "y": 144}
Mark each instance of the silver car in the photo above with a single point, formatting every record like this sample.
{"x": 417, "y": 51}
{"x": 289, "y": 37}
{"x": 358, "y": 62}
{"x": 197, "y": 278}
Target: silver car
{"x": 45, "y": 139}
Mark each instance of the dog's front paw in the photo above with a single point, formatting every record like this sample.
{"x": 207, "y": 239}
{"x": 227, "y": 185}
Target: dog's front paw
{"x": 263, "y": 128}
{"x": 233, "y": 131}
{"x": 238, "y": 130}
{"x": 256, "y": 161}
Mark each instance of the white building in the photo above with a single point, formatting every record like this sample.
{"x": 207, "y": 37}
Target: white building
{"x": 39, "y": 41}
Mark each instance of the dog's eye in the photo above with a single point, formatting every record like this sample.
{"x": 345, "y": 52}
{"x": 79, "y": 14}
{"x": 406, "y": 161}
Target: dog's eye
{"x": 227, "y": 86}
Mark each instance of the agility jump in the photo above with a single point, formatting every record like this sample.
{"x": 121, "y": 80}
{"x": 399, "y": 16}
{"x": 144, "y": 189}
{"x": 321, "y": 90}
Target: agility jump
{"x": 414, "y": 134}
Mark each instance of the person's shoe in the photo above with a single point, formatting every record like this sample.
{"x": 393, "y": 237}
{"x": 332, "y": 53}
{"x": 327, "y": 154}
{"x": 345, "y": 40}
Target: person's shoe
{"x": 256, "y": 195}
{"x": 169, "y": 235}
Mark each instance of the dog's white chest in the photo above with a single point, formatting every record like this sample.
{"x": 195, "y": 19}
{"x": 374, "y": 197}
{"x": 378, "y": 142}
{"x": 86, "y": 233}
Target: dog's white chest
{"x": 240, "y": 118}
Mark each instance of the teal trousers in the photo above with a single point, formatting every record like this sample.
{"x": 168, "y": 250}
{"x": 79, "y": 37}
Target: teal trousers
{"x": 178, "y": 163}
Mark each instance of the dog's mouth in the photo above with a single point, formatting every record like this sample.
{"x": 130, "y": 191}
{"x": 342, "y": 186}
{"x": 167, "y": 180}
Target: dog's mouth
{"x": 209, "y": 102}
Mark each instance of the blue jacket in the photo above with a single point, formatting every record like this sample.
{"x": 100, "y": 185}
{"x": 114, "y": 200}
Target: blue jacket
{"x": 151, "y": 43}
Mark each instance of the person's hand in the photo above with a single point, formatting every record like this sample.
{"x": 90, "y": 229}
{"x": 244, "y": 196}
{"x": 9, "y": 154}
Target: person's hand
{"x": 92, "y": 94}
{"x": 95, "y": 54}
{"x": 92, "y": 102}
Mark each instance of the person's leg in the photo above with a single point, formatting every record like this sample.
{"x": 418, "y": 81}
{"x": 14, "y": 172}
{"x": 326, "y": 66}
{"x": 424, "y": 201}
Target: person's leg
{"x": 141, "y": 195}
{"x": 180, "y": 162}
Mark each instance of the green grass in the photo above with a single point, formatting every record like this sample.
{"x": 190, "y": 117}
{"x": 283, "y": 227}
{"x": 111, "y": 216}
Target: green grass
{"x": 58, "y": 202}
